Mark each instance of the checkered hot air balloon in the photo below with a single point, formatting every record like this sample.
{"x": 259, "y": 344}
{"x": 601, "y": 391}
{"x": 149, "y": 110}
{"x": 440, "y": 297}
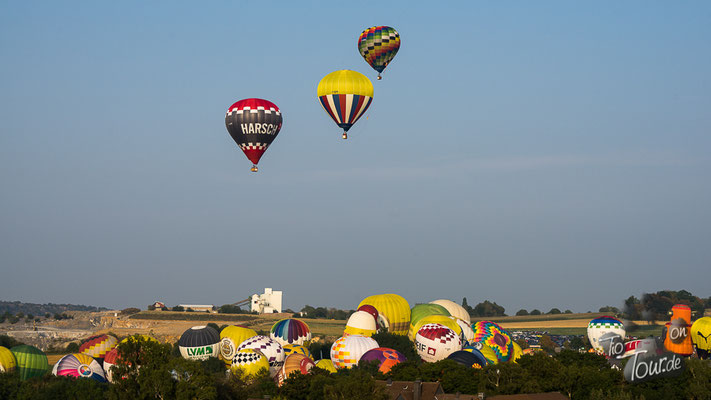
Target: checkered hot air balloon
{"x": 290, "y": 331}
{"x": 253, "y": 125}
{"x": 347, "y": 350}
{"x": 271, "y": 349}
{"x": 249, "y": 361}
{"x": 378, "y": 45}
{"x": 79, "y": 366}
{"x": 345, "y": 95}
{"x": 97, "y": 346}
{"x": 435, "y": 342}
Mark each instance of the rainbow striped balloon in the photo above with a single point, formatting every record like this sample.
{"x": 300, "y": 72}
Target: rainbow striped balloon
{"x": 290, "y": 331}
{"x": 494, "y": 336}
{"x": 79, "y": 366}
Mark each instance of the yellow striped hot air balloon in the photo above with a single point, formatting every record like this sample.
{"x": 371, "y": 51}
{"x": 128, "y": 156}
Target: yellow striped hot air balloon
{"x": 393, "y": 310}
{"x": 345, "y": 95}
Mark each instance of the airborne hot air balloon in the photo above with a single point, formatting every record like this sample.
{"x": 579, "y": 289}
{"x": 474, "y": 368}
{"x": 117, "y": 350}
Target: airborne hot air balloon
{"x": 79, "y": 365}
{"x": 393, "y": 312}
{"x": 253, "y": 124}
{"x": 345, "y": 95}
{"x": 701, "y": 336}
{"x": 378, "y": 46}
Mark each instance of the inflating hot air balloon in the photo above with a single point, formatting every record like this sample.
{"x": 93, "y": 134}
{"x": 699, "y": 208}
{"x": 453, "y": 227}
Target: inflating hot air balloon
{"x": 420, "y": 311}
{"x": 701, "y": 336}
{"x": 231, "y": 337}
{"x": 454, "y": 309}
{"x": 393, "y": 312}
{"x": 487, "y": 352}
{"x": 678, "y": 339}
{"x": 386, "y": 357}
{"x": 347, "y": 350}
{"x": 517, "y": 351}
{"x": 110, "y": 359}
{"x": 471, "y": 358}
{"x": 435, "y": 342}
{"x": 602, "y": 325}
{"x": 294, "y": 363}
{"x": 345, "y": 95}
{"x": 271, "y": 349}
{"x": 378, "y": 46}
{"x": 97, "y": 346}
{"x": 467, "y": 331}
{"x": 7, "y": 360}
{"x": 31, "y": 361}
{"x": 290, "y": 331}
{"x": 253, "y": 124}
{"x": 446, "y": 320}
{"x": 199, "y": 343}
{"x": 326, "y": 364}
{"x": 296, "y": 349}
{"x": 494, "y": 336}
{"x": 79, "y": 366}
{"x": 249, "y": 362}
{"x": 360, "y": 323}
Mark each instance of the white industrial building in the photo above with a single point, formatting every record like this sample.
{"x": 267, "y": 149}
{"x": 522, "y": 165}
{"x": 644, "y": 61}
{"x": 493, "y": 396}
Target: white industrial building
{"x": 269, "y": 302}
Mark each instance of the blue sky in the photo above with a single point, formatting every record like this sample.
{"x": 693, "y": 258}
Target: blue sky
{"x": 536, "y": 154}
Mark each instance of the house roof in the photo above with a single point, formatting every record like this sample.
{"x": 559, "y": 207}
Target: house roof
{"x": 405, "y": 390}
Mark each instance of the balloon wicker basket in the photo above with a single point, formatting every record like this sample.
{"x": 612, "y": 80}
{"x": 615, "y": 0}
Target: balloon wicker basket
{"x": 345, "y": 135}
{"x": 254, "y": 168}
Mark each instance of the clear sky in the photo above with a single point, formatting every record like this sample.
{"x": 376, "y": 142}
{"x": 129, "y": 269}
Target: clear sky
{"x": 537, "y": 154}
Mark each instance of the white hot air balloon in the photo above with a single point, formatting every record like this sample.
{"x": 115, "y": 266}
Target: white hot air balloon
{"x": 347, "y": 350}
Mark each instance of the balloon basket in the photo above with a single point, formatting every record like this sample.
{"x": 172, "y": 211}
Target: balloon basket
{"x": 379, "y": 77}
{"x": 345, "y": 135}
{"x": 254, "y": 168}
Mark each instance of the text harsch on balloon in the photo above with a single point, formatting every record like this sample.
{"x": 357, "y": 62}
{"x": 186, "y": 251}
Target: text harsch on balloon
{"x": 258, "y": 128}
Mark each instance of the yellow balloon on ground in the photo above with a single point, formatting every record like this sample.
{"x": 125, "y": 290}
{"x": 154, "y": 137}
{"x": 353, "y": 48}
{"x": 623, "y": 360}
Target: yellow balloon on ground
{"x": 489, "y": 354}
{"x": 517, "y": 352}
{"x": 296, "y": 349}
{"x": 327, "y": 365}
{"x": 250, "y": 362}
{"x": 454, "y": 309}
{"x": 449, "y": 322}
{"x": 137, "y": 337}
{"x": 394, "y": 310}
{"x": 701, "y": 336}
{"x": 360, "y": 323}
{"x": 230, "y": 339}
{"x": 7, "y": 360}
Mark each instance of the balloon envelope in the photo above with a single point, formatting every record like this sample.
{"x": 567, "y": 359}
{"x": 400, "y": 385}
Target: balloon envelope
{"x": 31, "y": 361}
{"x": 394, "y": 310}
{"x": 360, "y": 323}
{"x": 471, "y": 358}
{"x": 296, "y": 349}
{"x": 326, "y": 364}
{"x": 199, "y": 343}
{"x": 494, "y": 336}
{"x": 454, "y": 309}
{"x": 294, "y": 363}
{"x": 249, "y": 361}
{"x": 271, "y": 349}
{"x": 290, "y": 331}
{"x": 378, "y": 45}
{"x": 231, "y": 337}
{"x": 253, "y": 124}
{"x": 7, "y": 360}
{"x": 701, "y": 336}
{"x": 435, "y": 342}
{"x": 386, "y": 357}
{"x": 79, "y": 365}
{"x": 97, "y": 346}
{"x": 602, "y": 325}
{"x": 347, "y": 350}
{"x": 345, "y": 95}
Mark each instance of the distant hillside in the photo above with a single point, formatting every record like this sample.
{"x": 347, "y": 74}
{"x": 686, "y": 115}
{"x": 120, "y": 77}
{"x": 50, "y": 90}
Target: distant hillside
{"x": 14, "y": 307}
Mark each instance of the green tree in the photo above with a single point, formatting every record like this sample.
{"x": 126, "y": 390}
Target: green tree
{"x": 489, "y": 309}
{"x": 521, "y": 312}
{"x": 536, "y": 311}
{"x": 554, "y": 311}
{"x": 72, "y": 347}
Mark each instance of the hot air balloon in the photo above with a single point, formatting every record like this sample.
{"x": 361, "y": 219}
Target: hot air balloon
{"x": 494, "y": 336}
{"x": 454, "y": 309}
{"x": 378, "y": 46}
{"x": 360, "y": 323}
{"x": 487, "y": 352}
{"x": 7, "y": 360}
{"x": 393, "y": 312}
{"x": 294, "y": 363}
{"x": 435, "y": 342}
{"x": 79, "y": 366}
{"x": 199, "y": 343}
{"x": 296, "y": 349}
{"x": 602, "y": 325}
{"x": 290, "y": 331}
{"x": 386, "y": 357}
{"x": 249, "y": 361}
{"x": 31, "y": 361}
{"x": 517, "y": 351}
{"x": 231, "y": 337}
{"x": 345, "y": 95}
{"x": 467, "y": 331}
{"x": 678, "y": 339}
{"x": 271, "y": 349}
{"x": 372, "y": 311}
{"x": 347, "y": 350}
{"x": 701, "y": 336}
{"x": 326, "y": 364}
{"x": 471, "y": 358}
{"x": 420, "y": 311}
{"x": 110, "y": 359}
{"x": 446, "y": 320}
{"x": 97, "y": 346}
{"x": 253, "y": 124}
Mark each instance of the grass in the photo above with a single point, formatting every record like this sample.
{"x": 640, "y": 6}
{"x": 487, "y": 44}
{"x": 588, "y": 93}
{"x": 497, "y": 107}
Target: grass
{"x": 542, "y": 317}
{"x": 191, "y": 316}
